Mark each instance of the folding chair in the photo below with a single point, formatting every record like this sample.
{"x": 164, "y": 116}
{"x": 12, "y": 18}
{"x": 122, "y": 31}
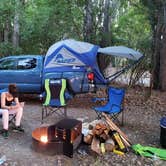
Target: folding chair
{"x": 114, "y": 105}
{"x": 12, "y": 116}
{"x": 54, "y": 98}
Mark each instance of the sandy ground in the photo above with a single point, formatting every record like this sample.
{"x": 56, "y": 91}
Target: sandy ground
{"x": 142, "y": 125}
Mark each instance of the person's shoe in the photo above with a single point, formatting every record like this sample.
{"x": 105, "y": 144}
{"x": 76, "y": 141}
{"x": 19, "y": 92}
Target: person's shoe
{"x": 18, "y": 129}
{"x": 5, "y": 133}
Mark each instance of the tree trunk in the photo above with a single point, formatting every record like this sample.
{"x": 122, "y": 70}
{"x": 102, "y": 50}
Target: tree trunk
{"x": 105, "y": 41}
{"x": 105, "y": 35}
{"x": 6, "y": 31}
{"x": 1, "y": 36}
{"x": 162, "y": 75}
{"x": 156, "y": 57}
{"x": 16, "y": 26}
{"x": 159, "y": 60}
{"x": 88, "y": 21}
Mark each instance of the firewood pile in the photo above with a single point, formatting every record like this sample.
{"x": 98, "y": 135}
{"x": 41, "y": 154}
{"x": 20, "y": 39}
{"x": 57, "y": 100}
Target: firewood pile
{"x": 106, "y": 136}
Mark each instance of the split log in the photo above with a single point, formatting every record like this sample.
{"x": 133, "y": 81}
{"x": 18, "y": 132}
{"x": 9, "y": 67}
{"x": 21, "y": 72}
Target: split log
{"x": 109, "y": 145}
{"x": 95, "y": 146}
{"x": 101, "y": 131}
{"x": 88, "y": 139}
{"x": 114, "y": 127}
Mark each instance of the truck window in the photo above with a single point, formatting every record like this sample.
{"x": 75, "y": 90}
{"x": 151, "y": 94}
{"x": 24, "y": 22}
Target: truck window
{"x": 8, "y": 64}
{"x": 26, "y": 63}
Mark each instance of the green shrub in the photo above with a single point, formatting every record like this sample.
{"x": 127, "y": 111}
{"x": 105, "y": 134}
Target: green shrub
{"x": 8, "y": 49}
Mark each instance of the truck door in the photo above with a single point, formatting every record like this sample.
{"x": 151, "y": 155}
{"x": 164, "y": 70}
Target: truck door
{"x": 29, "y": 74}
{"x": 7, "y": 66}
{"x": 23, "y": 71}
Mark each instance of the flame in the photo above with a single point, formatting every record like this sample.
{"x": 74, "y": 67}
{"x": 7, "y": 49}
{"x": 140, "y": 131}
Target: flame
{"x": 44, "y": 139}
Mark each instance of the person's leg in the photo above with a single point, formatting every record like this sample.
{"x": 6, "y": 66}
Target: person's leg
{"x": 5, "y": 118}
{"x": 5, "y": 121}
{"x": 19, "y": 114}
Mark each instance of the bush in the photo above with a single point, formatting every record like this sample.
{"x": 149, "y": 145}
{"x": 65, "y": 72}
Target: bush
{"x": 8, "y": 49}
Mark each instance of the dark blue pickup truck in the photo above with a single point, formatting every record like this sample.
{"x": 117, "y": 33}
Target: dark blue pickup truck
{"x": 27, "y": 72}
{"x": 70, "y": 59}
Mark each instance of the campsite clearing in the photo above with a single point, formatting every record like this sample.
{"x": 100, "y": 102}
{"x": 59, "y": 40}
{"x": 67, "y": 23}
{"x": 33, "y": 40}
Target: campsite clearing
{"x": 142, "y": 125}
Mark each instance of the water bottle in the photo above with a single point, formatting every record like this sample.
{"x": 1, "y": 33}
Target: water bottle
{"x": 2, "y": 159}
{"x": 58, "y": 162}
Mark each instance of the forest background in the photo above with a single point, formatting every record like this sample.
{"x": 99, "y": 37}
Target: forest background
{"x": 32, "y": 26}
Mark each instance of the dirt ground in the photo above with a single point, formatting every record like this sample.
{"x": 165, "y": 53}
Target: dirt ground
{"x": 142, "y": 125}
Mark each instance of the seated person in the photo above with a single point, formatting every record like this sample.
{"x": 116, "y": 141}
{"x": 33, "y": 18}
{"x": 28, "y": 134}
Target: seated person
{"x": 10, "y": 104}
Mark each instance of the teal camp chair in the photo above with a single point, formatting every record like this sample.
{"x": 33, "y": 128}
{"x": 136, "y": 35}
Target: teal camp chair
{"x": 54, "y": 98}
{"x": 114, "y": 104}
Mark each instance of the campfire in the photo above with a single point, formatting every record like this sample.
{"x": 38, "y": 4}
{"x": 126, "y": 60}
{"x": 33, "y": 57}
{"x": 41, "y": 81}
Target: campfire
{"x": 60, "y": 138}
{"x": 44, "y": 139}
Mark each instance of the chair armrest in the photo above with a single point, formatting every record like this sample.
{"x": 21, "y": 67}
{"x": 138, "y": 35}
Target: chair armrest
{"x": 115, "y": 105}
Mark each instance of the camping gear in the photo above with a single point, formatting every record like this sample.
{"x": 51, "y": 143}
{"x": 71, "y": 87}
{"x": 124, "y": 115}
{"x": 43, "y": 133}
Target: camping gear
{"x": 60, "y": 138}
{"x": 2, "y": 159}
{"x": 116, "y": 137}
{"x": 163, "y": 132}
{"x": 148, "y": 151}
{"x": 75, "y": 56}
{"x": 102, "y": 146}
{"x": 114, "y": 105}
{"x": 55, "y": 98}
{"x": 71, "y": 128}
{"x": 72, "y": 56}
{"x": 118, "y": 152}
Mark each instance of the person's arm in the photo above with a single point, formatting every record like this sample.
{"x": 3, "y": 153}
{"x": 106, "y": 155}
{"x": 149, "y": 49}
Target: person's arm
{"x": 17, "y": 103}
{"x": 3, "y": 101}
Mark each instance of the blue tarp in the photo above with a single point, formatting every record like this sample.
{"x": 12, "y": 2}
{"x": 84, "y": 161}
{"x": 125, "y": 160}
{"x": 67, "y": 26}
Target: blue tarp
{"x": 71, "y": 55}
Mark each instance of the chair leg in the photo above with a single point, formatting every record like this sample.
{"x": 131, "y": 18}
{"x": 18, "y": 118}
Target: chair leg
{"x": 114, "y": 117}
{"x": 12, "y": 119}
{"x": 122, "y": 118}
{"x": 58, "y": 110}
{"x": 65, "y": 111}
{"x": 43, "y": 108}
{"x": 99, "y": 115}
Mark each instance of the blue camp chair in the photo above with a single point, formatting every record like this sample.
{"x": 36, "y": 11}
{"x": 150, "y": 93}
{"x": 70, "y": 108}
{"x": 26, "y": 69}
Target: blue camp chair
{"x": 12, "y": 116}
{"x": 114, "y": 104}
{"x": 54, "y": 98}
